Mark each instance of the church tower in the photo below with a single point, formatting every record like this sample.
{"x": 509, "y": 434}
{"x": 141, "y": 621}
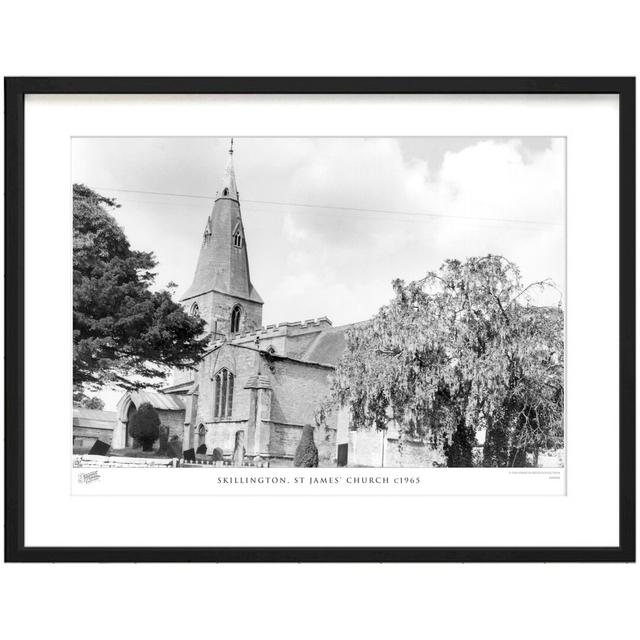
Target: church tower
{"x": 221, "y": 292}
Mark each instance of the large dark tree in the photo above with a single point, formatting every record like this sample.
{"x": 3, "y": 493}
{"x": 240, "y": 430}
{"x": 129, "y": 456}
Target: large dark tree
{"x": 145, "y": 426}
{"x": 124, "y": 333}
{"x": 462, "y": 350}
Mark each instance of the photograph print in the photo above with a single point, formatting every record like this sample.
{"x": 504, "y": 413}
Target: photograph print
{"x": 318, "y": 302}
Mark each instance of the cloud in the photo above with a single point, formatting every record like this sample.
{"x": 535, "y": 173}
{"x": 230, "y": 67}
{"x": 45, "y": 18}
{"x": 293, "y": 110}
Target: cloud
{"x": 338, "y": 259}
{"x": 360, "y": 252}
{"x": 499, "y": 179}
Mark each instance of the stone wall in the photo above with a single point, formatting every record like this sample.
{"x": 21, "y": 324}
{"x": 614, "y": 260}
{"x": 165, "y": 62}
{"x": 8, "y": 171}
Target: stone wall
{"x": 295, "y": 391}
{"x": 223, "y": 435}
{"x": 366, "y": 450}
{"x": 220, "y": 432}
{"x": 408, "y": 454}
{"x": 172, "y": 419}
{"x": 250, "y": 319}
{"x": 243, "y": 364}
{"x": 285, "y": 439}
{"x": 215, "y": 309}
{"x": 85, "y": 437}
{"x": 298, "y": 390}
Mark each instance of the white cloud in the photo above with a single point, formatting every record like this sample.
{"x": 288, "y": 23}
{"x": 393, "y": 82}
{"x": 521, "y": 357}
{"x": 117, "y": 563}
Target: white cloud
{"x": 364, "y": 250}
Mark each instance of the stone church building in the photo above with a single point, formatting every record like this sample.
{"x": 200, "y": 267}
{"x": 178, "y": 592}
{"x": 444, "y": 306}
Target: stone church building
{"x": 265, "y": 381}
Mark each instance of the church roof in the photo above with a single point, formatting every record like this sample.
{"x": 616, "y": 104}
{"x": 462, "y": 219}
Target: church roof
{"x": 163, "y": 401}
{"x": 329, "y": 346}
{"x": 325, "y": 349}
{"x": 183, "y": 388}
{"x": 94, "y": 418}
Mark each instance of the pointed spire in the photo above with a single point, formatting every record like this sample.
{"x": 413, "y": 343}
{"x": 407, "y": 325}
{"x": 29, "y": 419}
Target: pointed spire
{"x": 223, "y": 264}
{"x": 229, "y": 189}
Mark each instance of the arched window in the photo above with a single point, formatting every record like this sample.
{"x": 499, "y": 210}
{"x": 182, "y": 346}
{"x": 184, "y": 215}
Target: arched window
{"x": 195, "y": 310}
{"x": 202, "y": 432}
{"x": 236, "y": 314}
{"x": 223, "y": 403}
{"x": 225, "y": 192}
{"x": 237, "y": 239}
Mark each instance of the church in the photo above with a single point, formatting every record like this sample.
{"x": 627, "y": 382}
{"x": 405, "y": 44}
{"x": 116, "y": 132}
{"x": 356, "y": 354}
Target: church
{"x": 266, "y": 382}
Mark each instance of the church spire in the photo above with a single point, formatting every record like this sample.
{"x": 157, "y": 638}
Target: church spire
{"x": 221, "y": 284}
{"x": 229, "y": 189}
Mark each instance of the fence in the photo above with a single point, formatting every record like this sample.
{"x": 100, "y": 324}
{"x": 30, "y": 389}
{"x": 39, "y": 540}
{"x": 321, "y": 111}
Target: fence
{"x": 222, "y": 463}
{"x": 87, "y": 460}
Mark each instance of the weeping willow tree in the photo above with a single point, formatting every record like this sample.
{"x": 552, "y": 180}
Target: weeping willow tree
{"x": 461, "y": 350}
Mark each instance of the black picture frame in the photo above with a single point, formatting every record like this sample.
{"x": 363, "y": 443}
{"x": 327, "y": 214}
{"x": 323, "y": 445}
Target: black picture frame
{"x": 15, "y": 91}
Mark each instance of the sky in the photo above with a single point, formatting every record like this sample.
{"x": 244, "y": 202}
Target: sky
{"x": 376, "y": 209}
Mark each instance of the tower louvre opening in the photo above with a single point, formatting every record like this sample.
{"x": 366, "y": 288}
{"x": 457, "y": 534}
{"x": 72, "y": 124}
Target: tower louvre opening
{"x": 222, "y": 279}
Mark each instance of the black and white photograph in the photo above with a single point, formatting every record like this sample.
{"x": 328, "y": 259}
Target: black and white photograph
{"x": 318, "y": 302}
{"x": 271, "y": 324}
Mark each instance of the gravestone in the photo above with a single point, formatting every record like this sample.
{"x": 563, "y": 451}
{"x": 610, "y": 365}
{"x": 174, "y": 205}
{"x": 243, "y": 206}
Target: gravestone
{"x": 202, "y": 449}
{"x": 99, "y": 448}
{"x": 164, "y": 440}
{"x": 174, "y": 448}
{"x": 189, "y": 455}
{"x": 218, "y": 455}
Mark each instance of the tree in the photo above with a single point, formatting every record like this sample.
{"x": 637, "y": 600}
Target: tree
{"x": 124, "y": 334}
{"x": 306, "y": 454}
{"x": 81, "y": 399}
{"x": 461, "y": 350}
{"x": 93, "y": 403}
{"x": 145, "y": 426}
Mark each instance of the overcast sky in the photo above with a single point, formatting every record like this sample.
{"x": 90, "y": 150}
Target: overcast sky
{"x": 489, "y": 195}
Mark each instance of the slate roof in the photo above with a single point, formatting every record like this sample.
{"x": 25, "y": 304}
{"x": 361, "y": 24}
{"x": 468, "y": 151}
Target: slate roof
{"x": 94, "y": 418}
{"x": 184, "y": 388}
{"x": 329, "y": 346}
{"x": 163, "y": 401}
{"x": 222, "y": 266}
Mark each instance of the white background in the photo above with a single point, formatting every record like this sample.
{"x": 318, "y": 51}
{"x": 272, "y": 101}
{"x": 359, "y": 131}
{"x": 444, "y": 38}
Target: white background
{"x": 488, "y": 38}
